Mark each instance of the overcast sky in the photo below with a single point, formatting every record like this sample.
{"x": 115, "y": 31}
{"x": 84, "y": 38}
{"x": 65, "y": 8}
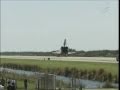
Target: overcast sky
{"x": 43, "y": 25}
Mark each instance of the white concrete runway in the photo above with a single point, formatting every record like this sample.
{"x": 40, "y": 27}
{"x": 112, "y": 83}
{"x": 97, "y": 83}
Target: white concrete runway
{"x": 82, "y": 59}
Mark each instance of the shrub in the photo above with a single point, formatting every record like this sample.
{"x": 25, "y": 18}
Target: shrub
{"x": 108, "y": 85}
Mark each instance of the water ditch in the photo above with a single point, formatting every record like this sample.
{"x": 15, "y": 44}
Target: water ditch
{"x": 86, "y": 83}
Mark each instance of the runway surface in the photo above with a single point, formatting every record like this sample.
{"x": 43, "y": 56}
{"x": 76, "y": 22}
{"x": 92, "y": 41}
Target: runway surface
{"x": 82, "y": 59}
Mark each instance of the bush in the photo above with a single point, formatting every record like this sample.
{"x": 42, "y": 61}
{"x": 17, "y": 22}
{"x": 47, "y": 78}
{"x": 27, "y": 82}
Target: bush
{"x": 108, "y": 85}
{"x": 100, "y": 75}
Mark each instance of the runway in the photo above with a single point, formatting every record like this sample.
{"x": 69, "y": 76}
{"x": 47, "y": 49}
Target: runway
{"x": 81, "y": 59}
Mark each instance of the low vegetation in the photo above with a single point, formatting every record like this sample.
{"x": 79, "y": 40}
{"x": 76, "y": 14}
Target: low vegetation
{"x": 84, "y": 70}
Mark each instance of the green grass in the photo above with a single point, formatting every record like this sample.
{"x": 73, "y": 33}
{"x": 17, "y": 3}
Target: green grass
{"x": 32, "y": 82}
{"x": 31, "y": 86}
{"x": 20, "y": 85}
{"x": 109, "y": 67}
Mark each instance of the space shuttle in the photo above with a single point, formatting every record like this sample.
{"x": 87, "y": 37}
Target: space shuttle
{"x": 64, "y": 50}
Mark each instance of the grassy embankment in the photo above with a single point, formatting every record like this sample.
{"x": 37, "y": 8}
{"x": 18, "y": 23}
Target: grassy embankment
{"x": 108, "y": 67}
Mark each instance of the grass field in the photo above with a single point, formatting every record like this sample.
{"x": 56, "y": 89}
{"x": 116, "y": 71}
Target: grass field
{"x": 31, "y": 86}
{"x": 109, "y": 67}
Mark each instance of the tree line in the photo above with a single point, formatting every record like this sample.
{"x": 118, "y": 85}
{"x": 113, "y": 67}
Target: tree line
{"x": 82, "y": 53}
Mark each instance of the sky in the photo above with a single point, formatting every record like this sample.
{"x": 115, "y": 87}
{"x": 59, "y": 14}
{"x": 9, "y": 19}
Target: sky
{"x": 43, "y": 25}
